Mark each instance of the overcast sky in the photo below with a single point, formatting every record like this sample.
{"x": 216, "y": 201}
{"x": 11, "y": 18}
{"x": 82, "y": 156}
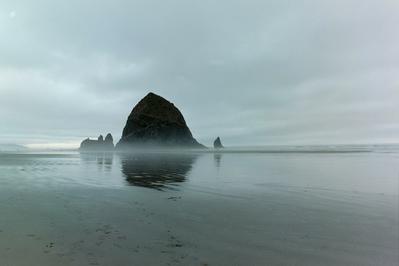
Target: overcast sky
{"x": 252, "y": 72}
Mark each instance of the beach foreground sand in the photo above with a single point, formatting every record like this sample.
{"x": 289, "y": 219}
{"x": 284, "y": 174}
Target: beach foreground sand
{"x": 208, "y": 209}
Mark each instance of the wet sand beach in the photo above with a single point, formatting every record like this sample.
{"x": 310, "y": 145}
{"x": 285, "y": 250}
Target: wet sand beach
{"x": 199, "y": 209}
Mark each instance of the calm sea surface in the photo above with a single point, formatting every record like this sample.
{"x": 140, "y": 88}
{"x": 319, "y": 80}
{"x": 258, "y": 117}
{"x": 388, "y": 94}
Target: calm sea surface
{"x": 274, "y": 206}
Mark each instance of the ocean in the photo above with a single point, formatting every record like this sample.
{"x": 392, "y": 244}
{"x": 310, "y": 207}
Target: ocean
{"x": 276, "y": 205}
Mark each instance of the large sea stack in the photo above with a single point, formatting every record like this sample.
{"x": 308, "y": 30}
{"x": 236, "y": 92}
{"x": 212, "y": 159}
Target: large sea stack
{"x": 156, "y": 122}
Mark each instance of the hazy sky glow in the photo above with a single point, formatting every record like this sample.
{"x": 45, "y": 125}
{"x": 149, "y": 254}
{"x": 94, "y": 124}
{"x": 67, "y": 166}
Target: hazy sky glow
{"x": 253, "y": 72}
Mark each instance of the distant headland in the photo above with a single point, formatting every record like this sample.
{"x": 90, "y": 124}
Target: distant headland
{"x": 153, "y": 122}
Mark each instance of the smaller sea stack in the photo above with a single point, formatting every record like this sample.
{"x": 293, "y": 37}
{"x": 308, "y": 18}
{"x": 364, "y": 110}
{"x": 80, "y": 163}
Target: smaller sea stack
{"x": 98, "y": 145}
{"x": 217, "y": 144}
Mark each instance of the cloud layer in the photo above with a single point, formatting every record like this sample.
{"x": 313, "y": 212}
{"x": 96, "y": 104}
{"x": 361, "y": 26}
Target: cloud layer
{"x": 253, "y": 72}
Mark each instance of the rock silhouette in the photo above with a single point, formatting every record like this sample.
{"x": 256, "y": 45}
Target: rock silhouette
{"x": 98, "y": 145}
{"x": 156, "y": 122}
{"x": 109, "y": 141}
{"x": 217, "y": 144}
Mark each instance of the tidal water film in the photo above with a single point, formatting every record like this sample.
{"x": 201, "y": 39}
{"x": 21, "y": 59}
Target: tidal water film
{"x": 260, "y": 207}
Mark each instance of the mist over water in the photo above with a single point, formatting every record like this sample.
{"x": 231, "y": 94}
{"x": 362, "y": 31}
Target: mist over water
{"x": 195, "y": 208}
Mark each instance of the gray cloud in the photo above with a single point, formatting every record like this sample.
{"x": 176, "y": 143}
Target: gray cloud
{"x": 253, "y": 72}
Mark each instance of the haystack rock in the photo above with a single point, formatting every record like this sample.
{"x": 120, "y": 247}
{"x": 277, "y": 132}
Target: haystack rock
{"x": 217, "y": 144}
{"x": 98, "y": 145}
{"x": 156, "y": 122}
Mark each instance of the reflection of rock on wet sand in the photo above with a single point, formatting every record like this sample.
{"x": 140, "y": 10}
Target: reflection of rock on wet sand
{"x": 103, "y": 159}
{"x": 217, "y": 157}
{"x": 156, "y": 170}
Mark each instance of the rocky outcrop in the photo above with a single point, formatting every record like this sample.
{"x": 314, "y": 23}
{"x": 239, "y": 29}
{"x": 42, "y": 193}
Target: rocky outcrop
{"x": 98, "y": 145}
{"x": 156, "y": 122}
{"x": 217, "y": 144}
{"x": 109, "y": 141}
